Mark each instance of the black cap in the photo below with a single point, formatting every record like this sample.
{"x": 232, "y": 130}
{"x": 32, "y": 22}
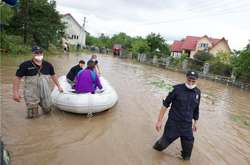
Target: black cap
{"x": 90, "y": 62}
{"x": 36, "y": 48}
{"x": 192, "y": 75}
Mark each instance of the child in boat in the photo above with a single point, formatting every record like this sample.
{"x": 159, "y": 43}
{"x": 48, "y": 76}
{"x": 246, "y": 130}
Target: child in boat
{"x": 96, "y": 68}
{"x": 73, "y": 72}
{"x": 87, "y": 79}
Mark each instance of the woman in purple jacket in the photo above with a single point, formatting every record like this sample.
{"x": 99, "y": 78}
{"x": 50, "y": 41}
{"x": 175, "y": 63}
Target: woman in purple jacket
{"x": 87, "y": 80}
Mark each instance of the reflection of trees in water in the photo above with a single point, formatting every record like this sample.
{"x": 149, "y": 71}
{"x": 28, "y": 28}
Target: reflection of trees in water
{"x": 162, "y": 85}
{"x": 241, "y": 120}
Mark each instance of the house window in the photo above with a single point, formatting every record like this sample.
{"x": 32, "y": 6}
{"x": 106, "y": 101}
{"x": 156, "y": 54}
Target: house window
{"x": 204, "y": 45}
{"x": 74, "y": 36}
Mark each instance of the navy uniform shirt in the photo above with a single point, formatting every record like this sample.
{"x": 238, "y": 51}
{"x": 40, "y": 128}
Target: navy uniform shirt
{"x": 29, "y": 68}
{"x": 184, "y": 103}
{"x": 73, "y": 72}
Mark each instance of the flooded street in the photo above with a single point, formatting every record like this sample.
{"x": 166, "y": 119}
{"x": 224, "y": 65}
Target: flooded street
{"x": 124, "y": 135}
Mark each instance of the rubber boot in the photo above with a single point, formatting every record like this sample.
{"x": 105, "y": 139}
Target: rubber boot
{"x": 187, "y": 147}
{"x": 160, "y": 145}
{"x": 29, "y": 113}
{"x": 46, "y": 110}
{"x": 35, "y": 112}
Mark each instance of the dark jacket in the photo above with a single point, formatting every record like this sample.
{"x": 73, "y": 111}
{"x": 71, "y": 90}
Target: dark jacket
{"x": 73, "y": 72}
{"x": 184, "y": 103}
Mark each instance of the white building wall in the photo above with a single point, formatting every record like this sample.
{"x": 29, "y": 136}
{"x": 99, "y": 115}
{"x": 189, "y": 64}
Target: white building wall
{"x": 74, "y": 33}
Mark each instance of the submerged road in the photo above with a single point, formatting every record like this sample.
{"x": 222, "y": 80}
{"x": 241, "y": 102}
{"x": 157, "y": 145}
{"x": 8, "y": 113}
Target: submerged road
{"x": 124, "y": 135}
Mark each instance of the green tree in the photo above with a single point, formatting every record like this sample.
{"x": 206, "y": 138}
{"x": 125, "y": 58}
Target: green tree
{"x": 39, "y": 21}
{"x": 104, "y": 41}
{"x": 221, "y": 64}
{"x": 139, "y": 45}
{"x": 157, "y": 43}
{"x": 203, "y": 56}
{"x": 199, "y": 60}
{"x": 248, "y": 45}
{"x": 101, "y": 41}
{"x": 220, "y": 68}
{"x": 123, "y": 39}
{"x": 90, "y": 40}
{"x": 6, "y": 12}
{"x": 241, "y": 64}
{"x": 223, "y": 57}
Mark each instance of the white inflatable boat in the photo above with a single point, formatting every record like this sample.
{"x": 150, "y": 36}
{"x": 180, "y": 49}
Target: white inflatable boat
{"x": 84, "y": 103}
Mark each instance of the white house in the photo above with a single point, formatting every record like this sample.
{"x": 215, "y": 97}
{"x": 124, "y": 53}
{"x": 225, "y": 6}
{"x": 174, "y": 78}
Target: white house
{"x": 74, "y": 32}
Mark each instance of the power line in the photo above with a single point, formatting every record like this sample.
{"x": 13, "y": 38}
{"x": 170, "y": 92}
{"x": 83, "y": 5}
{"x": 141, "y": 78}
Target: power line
{"x": 212, "y": 5}
{"x": 206, "y": 7}
{"x": 225, "y": 7}
{"x": 220, "y": 4}
{"x": 193, "y": 11}
{"x": 192, "y": 16}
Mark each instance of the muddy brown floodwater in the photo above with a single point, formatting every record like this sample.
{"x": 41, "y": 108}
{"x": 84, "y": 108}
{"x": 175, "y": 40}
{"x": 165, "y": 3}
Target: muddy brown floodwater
{"x": 124, "y": 135}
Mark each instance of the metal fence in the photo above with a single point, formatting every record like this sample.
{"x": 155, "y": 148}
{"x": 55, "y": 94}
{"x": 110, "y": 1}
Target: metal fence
{"x": 183, "y": 66}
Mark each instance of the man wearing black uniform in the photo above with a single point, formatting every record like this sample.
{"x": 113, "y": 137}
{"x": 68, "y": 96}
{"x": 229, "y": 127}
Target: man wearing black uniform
{"x": 184, "y": 101}
{"x": 73, "y": 72}
{"x": 36, "y": 83}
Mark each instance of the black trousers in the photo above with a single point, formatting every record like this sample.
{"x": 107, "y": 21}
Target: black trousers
{"x": 174, "y": 130}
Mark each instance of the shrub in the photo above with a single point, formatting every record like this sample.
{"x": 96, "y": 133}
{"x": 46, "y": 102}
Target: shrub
{"x": 241, "y": 65}
{"x": 223, "y": 57}
{"x": 195, "y": 65}
{"x": 220, "y": 68}
{"x": 203, "y": 56}
{"x": 13, "y": 44}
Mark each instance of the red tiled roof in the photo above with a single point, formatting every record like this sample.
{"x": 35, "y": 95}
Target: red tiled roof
{"x": 190, "y": 42}
{"x": 176, "y": 46}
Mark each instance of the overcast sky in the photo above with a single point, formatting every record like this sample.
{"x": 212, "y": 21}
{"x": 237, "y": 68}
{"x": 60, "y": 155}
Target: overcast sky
{"x": 173, "y": 19}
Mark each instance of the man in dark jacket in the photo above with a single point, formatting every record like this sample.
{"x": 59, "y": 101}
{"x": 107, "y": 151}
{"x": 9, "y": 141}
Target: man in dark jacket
{"x": 184, "y": 102}
{"x": 73, "y": 72}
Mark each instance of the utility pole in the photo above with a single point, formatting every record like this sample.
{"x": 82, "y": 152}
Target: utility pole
{"x": 82, "y": 34}
{"x": 84, "y": 22}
